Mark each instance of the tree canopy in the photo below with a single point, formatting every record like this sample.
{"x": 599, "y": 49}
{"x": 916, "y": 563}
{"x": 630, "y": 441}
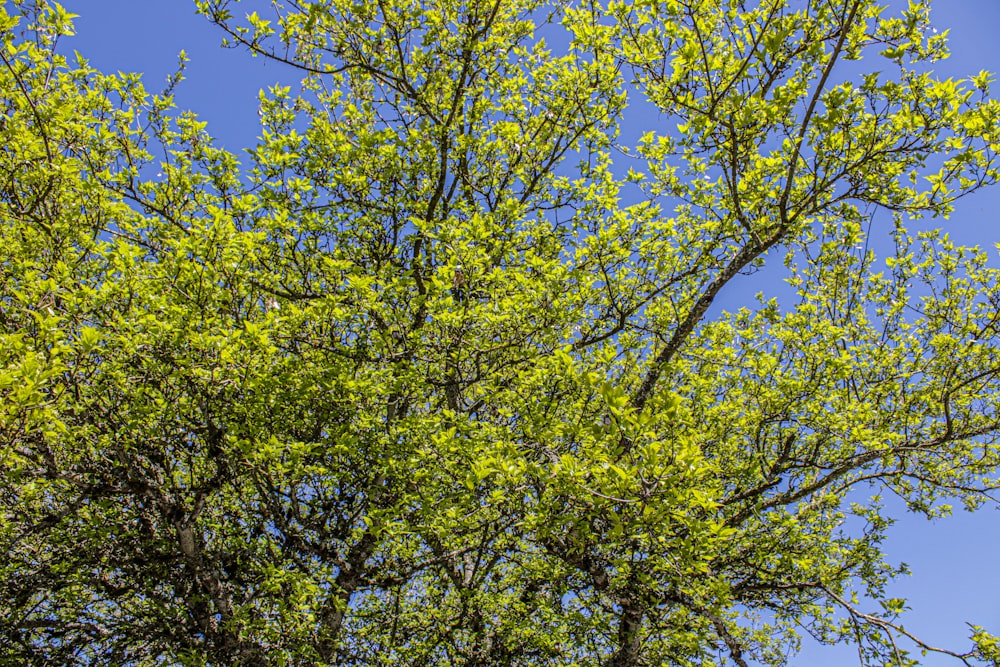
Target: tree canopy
{"x": 431, "y": 373}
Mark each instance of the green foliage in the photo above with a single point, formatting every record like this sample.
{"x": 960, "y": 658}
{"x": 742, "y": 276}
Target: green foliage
{"x": 432, "y": 376}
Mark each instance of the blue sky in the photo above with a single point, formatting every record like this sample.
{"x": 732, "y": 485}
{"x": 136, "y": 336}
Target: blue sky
{"x": 954, "y": 562}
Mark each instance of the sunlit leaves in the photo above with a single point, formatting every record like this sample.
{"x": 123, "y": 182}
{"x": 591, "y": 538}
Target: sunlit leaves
{"x": 432, "y": 374}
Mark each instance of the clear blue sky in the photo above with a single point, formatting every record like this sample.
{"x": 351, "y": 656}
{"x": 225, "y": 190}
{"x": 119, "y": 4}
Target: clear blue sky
{"x": 955, "y": 564}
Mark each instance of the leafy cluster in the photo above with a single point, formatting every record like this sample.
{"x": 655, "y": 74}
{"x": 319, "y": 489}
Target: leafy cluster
{"x": 431, "y": 375}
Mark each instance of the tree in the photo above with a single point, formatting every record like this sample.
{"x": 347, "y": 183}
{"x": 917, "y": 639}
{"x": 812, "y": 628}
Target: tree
{"x": 432, "y": 375}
